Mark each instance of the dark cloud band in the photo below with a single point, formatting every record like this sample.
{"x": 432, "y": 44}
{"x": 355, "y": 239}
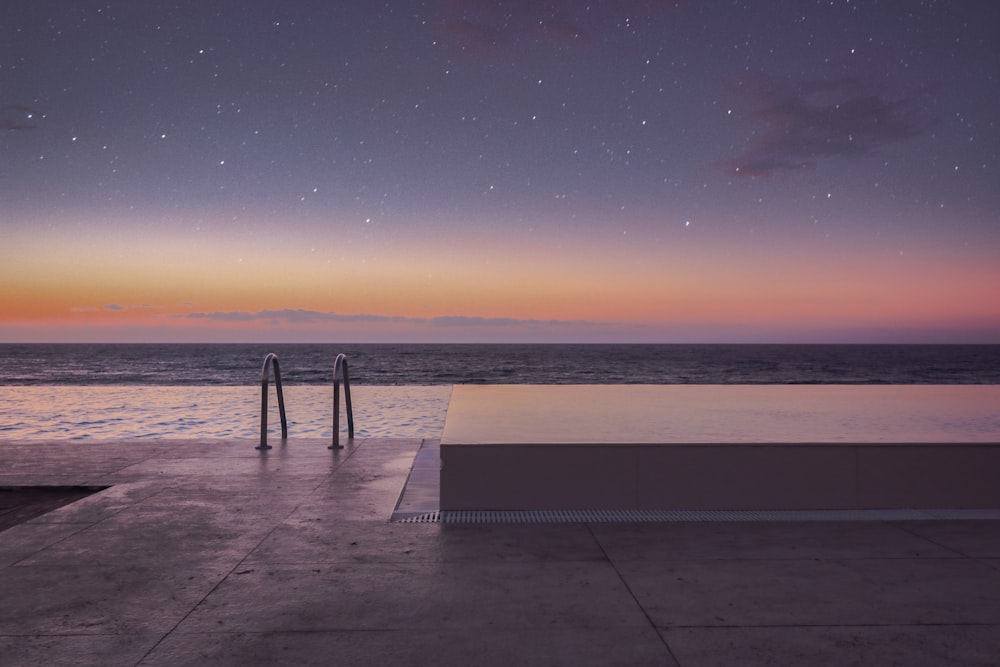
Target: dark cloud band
{"x": 800, "y": 122}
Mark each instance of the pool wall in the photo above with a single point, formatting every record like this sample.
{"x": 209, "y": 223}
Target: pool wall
{"x": 704, "y": 447}
{"x": 720, "y": 477}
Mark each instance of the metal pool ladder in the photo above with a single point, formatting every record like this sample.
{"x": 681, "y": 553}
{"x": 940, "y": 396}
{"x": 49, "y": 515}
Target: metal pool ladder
{"x": 269, "y": 360}
{"x": 340, "y": 369}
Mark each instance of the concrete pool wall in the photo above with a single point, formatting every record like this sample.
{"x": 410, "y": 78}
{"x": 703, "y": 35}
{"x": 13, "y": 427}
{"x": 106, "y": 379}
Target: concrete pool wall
{"x": 709, "y": 447}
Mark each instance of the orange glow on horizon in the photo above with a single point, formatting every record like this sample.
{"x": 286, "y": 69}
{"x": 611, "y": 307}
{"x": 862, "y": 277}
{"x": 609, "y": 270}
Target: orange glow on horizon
{"x": 53, "y": 282}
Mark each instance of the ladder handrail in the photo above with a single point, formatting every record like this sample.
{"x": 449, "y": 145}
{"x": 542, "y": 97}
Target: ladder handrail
{"x": 271, "y": 360}
{"x": 340, "y": 369}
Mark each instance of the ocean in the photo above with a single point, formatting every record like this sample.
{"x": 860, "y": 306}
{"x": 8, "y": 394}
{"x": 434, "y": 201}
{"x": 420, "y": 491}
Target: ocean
{"x": 93, "y": 391}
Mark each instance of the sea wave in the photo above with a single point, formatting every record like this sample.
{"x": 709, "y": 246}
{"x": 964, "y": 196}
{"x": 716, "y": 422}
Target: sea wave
{"x": 433, "y": 364}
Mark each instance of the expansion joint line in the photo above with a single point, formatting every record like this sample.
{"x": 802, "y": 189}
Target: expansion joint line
{"x": 635, "y": 598}
{"x": 236, "y": 569}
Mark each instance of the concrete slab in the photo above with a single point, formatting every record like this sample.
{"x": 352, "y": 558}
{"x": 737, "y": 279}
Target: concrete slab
{"x": 442, "y": 647}
{"x": 26, "y": 539}
{"x": 375, "y": 596}
{"x": 333, "y": 541}
{"x": 913, "y": 646}
{"x": 186, "y": 533}
{"x": 799, "y": 592}
{"x": 423, "y": 484}
{"x": 660, "y": 542}
{"x": 104, "y": 504}
{"x": 974, "y": 539}
{"x": 117, "y": 598}
{"x": 116, "y": 650}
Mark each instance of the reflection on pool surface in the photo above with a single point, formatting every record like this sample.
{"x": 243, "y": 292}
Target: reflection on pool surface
{"x": 89, "y": 412}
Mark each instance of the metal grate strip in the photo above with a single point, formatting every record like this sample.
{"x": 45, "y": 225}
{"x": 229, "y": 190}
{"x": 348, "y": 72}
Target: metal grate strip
{"x": 649, "y": 516}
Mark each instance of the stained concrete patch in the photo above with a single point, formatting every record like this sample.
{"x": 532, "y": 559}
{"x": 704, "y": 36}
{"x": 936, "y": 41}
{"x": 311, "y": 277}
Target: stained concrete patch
{"x": 914, "y": 646}
{"x": 188, "y": 533}
{"x": 975, "y": 539}
{"x": 103, "y": 504}
{"x": 611, "y": 647}
{"x": 331, "y": 541}
{"x": 384, "y": 596}
{"x": 327, "y": 540}
{"x": 26, "y": 539}
{"x": 815, "y": 592}
{"x": 76, "y": 650}
{"x": 777, "y": 540}
{"x": 117, "y": 598}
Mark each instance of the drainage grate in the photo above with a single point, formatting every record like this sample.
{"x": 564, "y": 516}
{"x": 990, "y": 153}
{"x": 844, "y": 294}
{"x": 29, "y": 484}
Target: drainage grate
{"x": 651, "y": 516}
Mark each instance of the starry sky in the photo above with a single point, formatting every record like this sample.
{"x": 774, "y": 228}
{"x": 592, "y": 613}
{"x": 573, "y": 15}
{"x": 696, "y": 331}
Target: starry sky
{"x": 507, "y": 171}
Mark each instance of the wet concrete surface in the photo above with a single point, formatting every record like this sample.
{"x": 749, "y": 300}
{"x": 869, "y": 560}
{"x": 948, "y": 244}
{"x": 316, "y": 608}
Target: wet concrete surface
{"x": 212, "y": 553}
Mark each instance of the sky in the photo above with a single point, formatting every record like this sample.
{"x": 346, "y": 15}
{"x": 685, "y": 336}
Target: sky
{"x": 515, "y": 171}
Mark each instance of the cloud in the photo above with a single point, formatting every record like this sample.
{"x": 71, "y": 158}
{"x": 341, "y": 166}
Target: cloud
{"x": 118, "y": 308}
{"x": 301, "y": 316}
{"x": 112, "y": 308}
{"x": 461, "y": 321}
{"x": 219, "y": 316}
{"x": 800, "y": 122}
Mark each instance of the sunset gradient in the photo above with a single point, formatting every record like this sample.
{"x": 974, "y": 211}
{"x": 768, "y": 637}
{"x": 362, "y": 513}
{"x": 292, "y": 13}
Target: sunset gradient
{"x": 509, "y": 172}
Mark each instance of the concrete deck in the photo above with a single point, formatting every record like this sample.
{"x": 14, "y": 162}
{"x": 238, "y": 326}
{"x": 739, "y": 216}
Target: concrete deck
{"x": 721, "y": 447}
{"x": 211, "y": 553}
